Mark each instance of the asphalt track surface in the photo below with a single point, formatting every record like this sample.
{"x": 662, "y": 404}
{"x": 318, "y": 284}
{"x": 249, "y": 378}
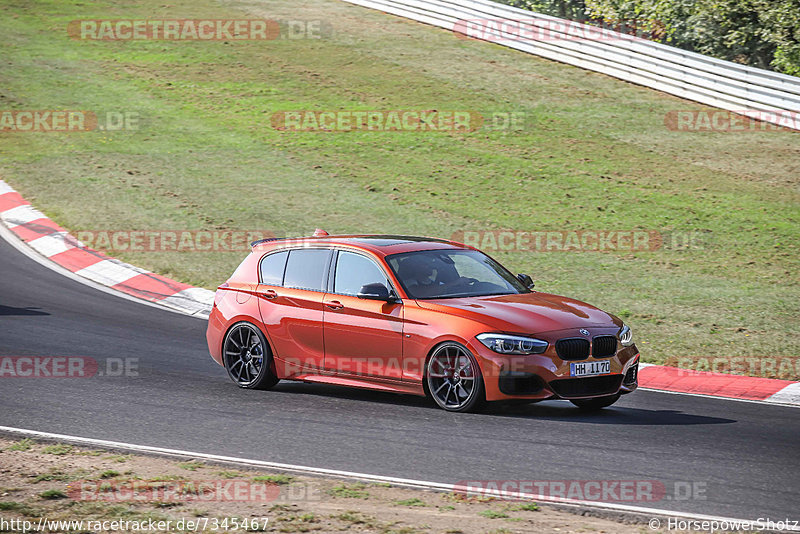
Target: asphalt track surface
{"x": 743, "y": 457}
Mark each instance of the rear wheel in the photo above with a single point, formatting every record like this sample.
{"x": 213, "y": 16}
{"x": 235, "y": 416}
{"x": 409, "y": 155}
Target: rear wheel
{"x": 454, "y": 379}
{"x": 597, "y": 403}
{"x": 248, "y": 358}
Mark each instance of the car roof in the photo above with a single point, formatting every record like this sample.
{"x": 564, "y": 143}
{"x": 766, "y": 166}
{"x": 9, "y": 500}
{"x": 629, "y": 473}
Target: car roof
{"x": 381, "y": 245}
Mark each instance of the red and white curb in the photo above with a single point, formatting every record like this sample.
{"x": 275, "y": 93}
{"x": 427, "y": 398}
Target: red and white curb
{"x": 55, "y": 243}
{"x": 708, "y": 384}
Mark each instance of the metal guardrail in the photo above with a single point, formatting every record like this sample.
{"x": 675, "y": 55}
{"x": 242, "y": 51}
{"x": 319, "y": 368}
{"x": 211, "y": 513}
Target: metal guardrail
{"x": 768, "y": 96}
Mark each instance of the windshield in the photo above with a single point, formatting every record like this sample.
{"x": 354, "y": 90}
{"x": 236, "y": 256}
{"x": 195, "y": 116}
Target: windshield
{"x": 433, "y": 274}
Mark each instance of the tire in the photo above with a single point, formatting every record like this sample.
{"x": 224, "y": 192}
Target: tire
{"x": 595, "y": 404}
{"x": 453, "y": 379}
{"x": 247, "y": 357}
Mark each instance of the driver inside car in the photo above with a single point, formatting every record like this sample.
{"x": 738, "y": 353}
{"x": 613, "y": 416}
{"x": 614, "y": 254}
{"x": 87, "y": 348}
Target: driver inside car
{"x": 421, "y": 278}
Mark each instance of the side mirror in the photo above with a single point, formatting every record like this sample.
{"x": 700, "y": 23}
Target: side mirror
{"x": 526, "y": 280}
{"x": 376, "y": 291}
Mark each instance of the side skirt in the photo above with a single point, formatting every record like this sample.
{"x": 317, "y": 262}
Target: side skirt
{"x": 363, "y": 382}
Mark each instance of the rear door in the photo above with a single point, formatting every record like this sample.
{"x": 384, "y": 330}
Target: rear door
{"x": 362, "y": 337}
{"x": 290, "y": 300}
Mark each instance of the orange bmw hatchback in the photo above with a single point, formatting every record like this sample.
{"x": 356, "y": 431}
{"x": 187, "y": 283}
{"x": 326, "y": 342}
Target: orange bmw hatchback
{"x": 413, "y": 315}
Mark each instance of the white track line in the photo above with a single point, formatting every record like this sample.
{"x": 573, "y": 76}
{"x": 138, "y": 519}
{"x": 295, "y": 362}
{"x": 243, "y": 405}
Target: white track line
{"x": 422, "y": 484}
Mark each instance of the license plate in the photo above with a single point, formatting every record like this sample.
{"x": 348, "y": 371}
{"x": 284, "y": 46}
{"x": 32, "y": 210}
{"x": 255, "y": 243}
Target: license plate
{"x": 589, "y": 368}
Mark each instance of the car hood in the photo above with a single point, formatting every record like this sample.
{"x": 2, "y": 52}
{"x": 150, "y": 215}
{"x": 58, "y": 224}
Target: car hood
{"x": 525, "y": 313}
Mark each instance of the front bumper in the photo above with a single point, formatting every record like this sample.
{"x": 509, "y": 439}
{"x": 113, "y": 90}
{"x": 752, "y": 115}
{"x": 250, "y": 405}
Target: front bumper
{"x": 546, "y": 376}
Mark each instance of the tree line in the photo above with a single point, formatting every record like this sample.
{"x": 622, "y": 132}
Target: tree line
{"x": 759, "y": 33}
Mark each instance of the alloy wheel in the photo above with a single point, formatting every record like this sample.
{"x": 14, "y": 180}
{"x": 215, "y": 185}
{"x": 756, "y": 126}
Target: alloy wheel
{"x": 454, "y": 380}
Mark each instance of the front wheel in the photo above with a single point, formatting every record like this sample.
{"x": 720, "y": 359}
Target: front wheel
{"x": 597, "y": 403}
{"x": 247, "y": 357}
{"x": 454, "y": 379}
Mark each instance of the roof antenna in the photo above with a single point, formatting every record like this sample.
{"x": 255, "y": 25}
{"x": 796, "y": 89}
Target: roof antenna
{"x": 319, "y": 232}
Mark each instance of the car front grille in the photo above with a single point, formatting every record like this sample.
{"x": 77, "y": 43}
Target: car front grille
{"x": 604, "y": 346}
{"x": 586, "y": 387}
{"x": 572, "y": 348}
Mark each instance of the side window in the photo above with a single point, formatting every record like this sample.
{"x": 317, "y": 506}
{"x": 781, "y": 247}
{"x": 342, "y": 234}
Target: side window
{"x": 306, "y": 268}
{"x": 354, "y": 271}
{"x": 272, "y": 268}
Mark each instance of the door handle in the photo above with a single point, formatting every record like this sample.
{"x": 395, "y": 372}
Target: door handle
{"x": 269, "y": 294}
{"x": 334, "y": 305}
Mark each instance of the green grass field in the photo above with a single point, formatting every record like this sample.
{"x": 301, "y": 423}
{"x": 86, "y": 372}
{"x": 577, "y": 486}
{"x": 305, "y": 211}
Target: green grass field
{"x": 594, "y": 155}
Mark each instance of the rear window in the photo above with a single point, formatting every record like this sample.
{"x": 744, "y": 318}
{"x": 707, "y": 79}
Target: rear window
{"x": 306, "y": 269}
{"x": 272, "y": 268}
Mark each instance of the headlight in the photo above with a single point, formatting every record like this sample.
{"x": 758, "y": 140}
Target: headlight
{"x": 507, "y": 344}
{"x": 626, "y": 336}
